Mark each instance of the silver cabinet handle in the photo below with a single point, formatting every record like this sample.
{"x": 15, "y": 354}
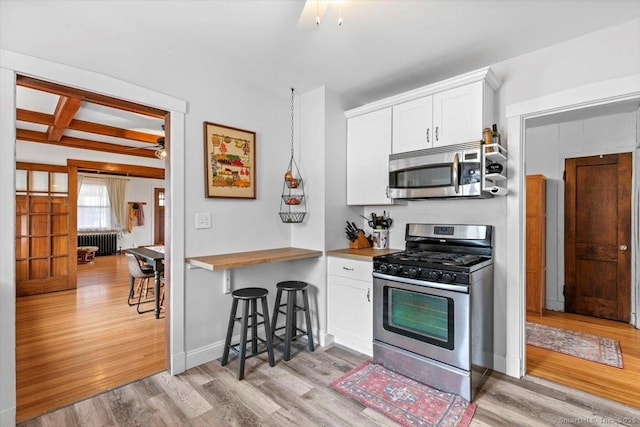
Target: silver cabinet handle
{"x": 623, "y": 247}
{"x": 428, "y": 134}
{"x": 437, "y": 133}
{"x": 368, "y": 294}
{"x": 348, "y": 269}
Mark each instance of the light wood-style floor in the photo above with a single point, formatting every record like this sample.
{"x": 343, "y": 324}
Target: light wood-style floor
{"x": 74, "y": 344}
{"x": 296, "y": 393}
{"x": 622, "y": 385}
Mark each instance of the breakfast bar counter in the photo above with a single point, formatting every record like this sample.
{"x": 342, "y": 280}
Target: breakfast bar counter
{"x": 243, "y": 259}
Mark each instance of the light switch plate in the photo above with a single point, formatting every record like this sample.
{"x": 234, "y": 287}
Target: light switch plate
{"x": 203, "y": 220}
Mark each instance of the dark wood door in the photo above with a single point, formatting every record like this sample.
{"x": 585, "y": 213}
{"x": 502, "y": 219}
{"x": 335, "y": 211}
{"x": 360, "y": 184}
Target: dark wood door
{"x": 598, "y": 236}
{"x": 158, "y": 216}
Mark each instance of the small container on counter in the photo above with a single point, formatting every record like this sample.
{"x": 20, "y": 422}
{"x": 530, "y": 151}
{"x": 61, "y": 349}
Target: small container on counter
{"x": 381, "y": 238}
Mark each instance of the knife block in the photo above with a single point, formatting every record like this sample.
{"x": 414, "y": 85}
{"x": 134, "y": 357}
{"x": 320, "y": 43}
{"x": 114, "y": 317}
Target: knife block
{"x": 361, "y": 242}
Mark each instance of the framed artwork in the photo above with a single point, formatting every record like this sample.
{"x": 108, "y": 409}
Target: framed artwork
{"x": 229, "y": 162}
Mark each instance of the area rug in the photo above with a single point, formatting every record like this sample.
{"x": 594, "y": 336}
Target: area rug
{"x": 578, "y": 344}
{"x": 404, "y": 400}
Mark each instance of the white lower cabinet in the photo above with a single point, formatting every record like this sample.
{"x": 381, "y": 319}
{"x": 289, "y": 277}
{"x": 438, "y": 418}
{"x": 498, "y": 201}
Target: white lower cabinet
{"x": 350, "y": 308}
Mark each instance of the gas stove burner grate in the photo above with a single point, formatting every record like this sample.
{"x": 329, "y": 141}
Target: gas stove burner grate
{"x": 444, "y": 258}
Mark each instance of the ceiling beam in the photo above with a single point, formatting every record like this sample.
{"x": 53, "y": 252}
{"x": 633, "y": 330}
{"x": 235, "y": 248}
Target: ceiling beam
{"x": 89, "y": 127}
{"x": 87, "y": 96}
{"x": 65, "y": 112}
{"x": 117, "y": 169}
{"x": 68, "y": 141}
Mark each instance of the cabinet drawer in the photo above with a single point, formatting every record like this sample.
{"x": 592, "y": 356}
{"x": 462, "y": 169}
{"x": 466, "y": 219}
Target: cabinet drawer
{"x": 353, "y": 269}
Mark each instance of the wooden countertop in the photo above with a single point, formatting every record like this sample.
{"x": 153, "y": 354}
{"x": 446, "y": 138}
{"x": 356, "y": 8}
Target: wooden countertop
{"x": 243, "y": 259}
{"x": 366, "y": 254}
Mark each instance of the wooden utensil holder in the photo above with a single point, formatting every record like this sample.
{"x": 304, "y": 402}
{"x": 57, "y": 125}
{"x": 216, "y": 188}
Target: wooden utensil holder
{"x": 361, "y": 242}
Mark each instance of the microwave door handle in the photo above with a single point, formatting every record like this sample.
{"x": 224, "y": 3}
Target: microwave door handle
{"x": 456, "y": 166}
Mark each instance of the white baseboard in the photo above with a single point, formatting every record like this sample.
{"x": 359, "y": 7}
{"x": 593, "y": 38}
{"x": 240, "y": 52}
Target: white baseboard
{"x": 500, "y": 364}
{"x": 178, "y": 363}
{"x": 214, "y": 351}
{"x": 8, "y": 417}
{"x": 554, "y": 305}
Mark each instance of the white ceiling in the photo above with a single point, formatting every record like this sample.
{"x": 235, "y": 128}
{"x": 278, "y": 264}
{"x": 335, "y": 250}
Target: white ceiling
{"x": 383, "y": 47}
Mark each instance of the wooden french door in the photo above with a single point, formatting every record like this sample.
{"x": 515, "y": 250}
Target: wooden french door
{"x": 45, "y": 229}
{"x": 598, "y": 236}
{"x": 158, "y": 216}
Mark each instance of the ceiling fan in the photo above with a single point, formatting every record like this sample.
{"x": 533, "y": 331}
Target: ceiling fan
{"x": 313, "y": 12}
{"x": 160, "y": 151}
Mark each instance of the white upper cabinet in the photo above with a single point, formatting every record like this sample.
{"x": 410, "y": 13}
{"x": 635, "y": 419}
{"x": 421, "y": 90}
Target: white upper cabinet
{"x": 452, "y": 111}
{"x": 458, "y": 115}
{"x": 412, "y": 125}
{"x": 368, "y": 149}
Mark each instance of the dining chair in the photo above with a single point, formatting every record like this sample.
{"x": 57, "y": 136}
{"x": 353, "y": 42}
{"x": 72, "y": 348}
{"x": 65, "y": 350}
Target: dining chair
{"x": 137, "y": 272}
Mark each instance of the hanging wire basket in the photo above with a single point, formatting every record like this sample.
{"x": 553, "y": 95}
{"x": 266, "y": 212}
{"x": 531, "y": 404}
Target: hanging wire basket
{"x": 292, "y": 217}
{"x": 293, "y": 206}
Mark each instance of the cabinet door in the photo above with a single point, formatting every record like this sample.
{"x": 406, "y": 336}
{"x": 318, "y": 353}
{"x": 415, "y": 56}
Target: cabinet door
{"x": 351, "y": 313}
{"x": 412, "y": 125}
{"x": 368, "y": 149}
{"x": 457, "y": 115}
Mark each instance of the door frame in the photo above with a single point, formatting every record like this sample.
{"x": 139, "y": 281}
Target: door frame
{"x": 594, "y": 94}
{"x": 12, "y": 64}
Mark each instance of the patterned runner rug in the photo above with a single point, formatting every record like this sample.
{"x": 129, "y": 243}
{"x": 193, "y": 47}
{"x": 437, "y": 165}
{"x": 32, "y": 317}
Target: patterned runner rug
{"x": 578, "y": 344}
{"x": 404, "y": 400}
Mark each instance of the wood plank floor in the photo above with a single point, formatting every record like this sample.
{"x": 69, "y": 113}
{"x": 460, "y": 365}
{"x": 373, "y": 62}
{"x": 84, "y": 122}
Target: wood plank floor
{"x": 75, "y": 344}
{"x": 296, "y": 393}
{"x": 622, "y": 385}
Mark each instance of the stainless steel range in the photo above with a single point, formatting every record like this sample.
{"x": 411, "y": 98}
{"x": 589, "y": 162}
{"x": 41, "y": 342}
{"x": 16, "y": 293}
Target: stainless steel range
{"x": 433, "y": 307}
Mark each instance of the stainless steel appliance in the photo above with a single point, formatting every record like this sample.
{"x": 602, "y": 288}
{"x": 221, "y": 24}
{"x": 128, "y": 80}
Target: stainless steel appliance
{"x": 442, "y": 172}
{"x": 433, "y": 307}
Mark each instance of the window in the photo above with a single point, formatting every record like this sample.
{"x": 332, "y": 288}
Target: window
{"x": 94, "y": 209}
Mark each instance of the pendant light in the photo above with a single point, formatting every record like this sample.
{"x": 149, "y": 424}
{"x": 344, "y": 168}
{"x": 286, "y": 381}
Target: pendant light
{"x": 293, "y": 206}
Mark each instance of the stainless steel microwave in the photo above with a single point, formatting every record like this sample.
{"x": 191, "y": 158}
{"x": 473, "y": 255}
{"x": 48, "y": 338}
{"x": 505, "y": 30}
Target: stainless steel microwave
{"x": 441, "y": 172}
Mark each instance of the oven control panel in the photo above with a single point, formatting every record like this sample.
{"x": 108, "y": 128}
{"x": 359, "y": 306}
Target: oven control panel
{"x": 421, "y": 273}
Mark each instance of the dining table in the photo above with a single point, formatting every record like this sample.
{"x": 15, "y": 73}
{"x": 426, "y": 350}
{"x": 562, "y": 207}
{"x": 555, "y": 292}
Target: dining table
{"x": 154, "y": 256}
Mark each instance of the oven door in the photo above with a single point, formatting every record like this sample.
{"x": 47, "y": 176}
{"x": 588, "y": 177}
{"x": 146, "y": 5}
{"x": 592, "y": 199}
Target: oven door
{"x": 430, "y": 319}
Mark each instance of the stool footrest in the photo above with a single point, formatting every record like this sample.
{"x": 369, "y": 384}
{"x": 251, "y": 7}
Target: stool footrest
{"x": 283, "y": 336}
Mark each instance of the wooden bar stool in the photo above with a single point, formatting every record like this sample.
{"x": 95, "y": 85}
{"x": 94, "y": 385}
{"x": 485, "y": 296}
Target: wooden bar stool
{"x": 250, "y": 298}
{"x": 291, "y": 311}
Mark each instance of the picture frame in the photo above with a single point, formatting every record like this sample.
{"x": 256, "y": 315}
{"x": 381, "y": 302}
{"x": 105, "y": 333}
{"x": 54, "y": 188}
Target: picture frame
{"x": 229, "y": 162}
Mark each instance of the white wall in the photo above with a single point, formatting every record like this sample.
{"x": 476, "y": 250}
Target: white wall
{"x": 141, "y": 190}
{"x": 549, "y": 142}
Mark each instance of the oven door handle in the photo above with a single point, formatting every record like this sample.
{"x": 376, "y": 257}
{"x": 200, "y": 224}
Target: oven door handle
{"x": 433, "y": 285}
{"x": 456, "y": 173}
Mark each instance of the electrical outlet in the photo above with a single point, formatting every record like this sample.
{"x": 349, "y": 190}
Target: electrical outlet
{"x": 203, "y": 220}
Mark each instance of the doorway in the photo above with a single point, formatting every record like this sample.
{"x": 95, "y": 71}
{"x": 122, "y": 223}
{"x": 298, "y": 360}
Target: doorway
{"x": 14, "y": 64}
{"x": 588, "y": 211}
